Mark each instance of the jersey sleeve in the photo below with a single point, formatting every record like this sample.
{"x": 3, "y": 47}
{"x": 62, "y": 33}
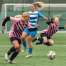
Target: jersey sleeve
{"x": 41, "y": 14}
{"x": 6, "y": 19}
{"x": 13, "y": 19}
{"x": 49, "y": 22}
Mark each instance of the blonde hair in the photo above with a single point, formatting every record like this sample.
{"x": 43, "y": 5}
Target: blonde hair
{"x": 25, "y": 15}
{"x": 38, "y": 4}
{"x": 57, "y": 19}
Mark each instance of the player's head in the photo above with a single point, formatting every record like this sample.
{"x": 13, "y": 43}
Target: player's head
{"x": 55, "y": 19}
{"x": 37, "y": 5}
{"x": 25, "y": 16}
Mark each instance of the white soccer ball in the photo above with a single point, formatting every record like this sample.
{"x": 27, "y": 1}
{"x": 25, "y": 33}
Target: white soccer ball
{"x": 51, "y": 55}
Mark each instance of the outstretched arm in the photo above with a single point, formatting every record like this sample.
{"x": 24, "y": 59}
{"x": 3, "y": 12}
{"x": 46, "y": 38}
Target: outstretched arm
{"x": 4, "y": 22}
{"x": 43, "y": 16}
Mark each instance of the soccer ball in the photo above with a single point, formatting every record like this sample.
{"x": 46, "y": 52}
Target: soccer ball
{"x": 51, "y": 55}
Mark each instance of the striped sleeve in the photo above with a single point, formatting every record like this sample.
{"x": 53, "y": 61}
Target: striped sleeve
{"x": 41, "y": 14}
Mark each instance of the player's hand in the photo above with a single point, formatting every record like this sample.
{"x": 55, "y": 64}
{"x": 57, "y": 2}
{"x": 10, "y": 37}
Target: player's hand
{"x": 46, "y": 18}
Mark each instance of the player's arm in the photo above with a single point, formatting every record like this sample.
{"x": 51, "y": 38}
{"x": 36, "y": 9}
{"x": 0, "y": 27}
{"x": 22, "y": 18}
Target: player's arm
{"x": 50, "y": 21}
{"x": 46, "y": 18}
{"x": 4, "y": 22}
{"x": 43, "y": 16}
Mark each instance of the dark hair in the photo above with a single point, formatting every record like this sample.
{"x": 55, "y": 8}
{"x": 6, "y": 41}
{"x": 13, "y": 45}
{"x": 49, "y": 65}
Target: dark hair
{"x": 52, "y": 19}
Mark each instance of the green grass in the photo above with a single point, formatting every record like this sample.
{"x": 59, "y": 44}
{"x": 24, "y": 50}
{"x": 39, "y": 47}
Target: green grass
{"x": 39, "y": 53}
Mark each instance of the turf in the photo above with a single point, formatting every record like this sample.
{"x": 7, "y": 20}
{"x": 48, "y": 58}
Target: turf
{"x": 39, "y": 53}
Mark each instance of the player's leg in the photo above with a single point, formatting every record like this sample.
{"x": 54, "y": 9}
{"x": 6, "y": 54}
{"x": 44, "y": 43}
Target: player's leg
{"x": 40, "y": 39}
{"x": 23, "y": 37}
{"x": 51, "y": 42}
{"x": 29, "y": 45}
{"x": 44, "y": 39}
{"x": 14, "y": 51}
{"x": 24, "y": 46}
{"x": 48, "y": 41}
{"x": 35, "y": 39}
{"x": 24, "y": 34}
{"x": 29, "y": 40}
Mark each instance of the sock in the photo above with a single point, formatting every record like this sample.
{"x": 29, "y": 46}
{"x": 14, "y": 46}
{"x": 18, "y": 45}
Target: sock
{"x": 40, "y": 40}
{"x": 30, "y": 50}
{"x": 11, "y": 50}
{"x": 24, "y": 44}
{"x": 13, "y": 56}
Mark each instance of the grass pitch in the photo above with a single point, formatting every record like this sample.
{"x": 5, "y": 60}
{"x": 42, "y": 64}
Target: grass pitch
{"x": 39, "y": 53}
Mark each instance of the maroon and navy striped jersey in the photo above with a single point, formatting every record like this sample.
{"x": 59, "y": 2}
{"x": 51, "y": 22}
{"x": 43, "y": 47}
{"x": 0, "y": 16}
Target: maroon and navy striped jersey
{"x": 17, "y": 27}
{"x": 52, "y": 29}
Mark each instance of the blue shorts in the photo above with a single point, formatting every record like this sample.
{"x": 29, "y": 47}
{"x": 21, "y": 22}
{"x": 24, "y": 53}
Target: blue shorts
{"x": 31, "y": 33}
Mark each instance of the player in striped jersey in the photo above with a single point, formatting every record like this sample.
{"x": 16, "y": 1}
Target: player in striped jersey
{"x": 31, "y": 30}
{"x": 46, "y": 34}
{"x": 17, "y": 27}
{"x": 24, "y": 46}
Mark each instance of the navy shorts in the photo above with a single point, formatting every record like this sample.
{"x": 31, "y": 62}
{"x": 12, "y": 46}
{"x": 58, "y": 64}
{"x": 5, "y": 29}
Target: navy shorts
{"x": 14, "y": 38}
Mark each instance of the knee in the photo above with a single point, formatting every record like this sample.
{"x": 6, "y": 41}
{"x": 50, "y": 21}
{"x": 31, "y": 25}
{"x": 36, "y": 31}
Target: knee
{"x": 49, "y": 42}
{"x": 16, "y": 46}
{"x": 23, "y": 36}
{"x": 30, "y": 45}
{"x": 17, "y": 49}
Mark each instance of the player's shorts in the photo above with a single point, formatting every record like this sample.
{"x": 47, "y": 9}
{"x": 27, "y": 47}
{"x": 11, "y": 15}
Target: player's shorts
{"x": 14, "y": 38}
{"x": 31, "y": 32}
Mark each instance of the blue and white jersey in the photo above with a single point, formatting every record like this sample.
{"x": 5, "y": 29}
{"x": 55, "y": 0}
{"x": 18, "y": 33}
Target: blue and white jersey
{"x": 33, "y": 18}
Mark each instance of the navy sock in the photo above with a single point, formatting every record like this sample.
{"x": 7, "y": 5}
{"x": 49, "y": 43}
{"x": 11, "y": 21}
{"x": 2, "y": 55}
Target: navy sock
{"x": 13, "y": 56}
{"x": 11, "y": 50}
{"x": 30, "y": 50}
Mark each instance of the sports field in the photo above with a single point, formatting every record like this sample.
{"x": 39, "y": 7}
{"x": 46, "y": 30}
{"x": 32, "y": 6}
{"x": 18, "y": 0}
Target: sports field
{"x": 39, "y": 53}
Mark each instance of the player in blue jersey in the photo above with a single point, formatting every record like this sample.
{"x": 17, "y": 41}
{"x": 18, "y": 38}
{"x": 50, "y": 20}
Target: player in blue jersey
{"x": 31, "y": 30}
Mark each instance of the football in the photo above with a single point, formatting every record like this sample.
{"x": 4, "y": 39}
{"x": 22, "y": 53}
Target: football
{"x": 51, "y": 55}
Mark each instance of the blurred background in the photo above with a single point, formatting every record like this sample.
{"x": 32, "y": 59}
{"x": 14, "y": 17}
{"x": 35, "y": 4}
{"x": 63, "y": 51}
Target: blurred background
{"x": 50, "y": 11}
